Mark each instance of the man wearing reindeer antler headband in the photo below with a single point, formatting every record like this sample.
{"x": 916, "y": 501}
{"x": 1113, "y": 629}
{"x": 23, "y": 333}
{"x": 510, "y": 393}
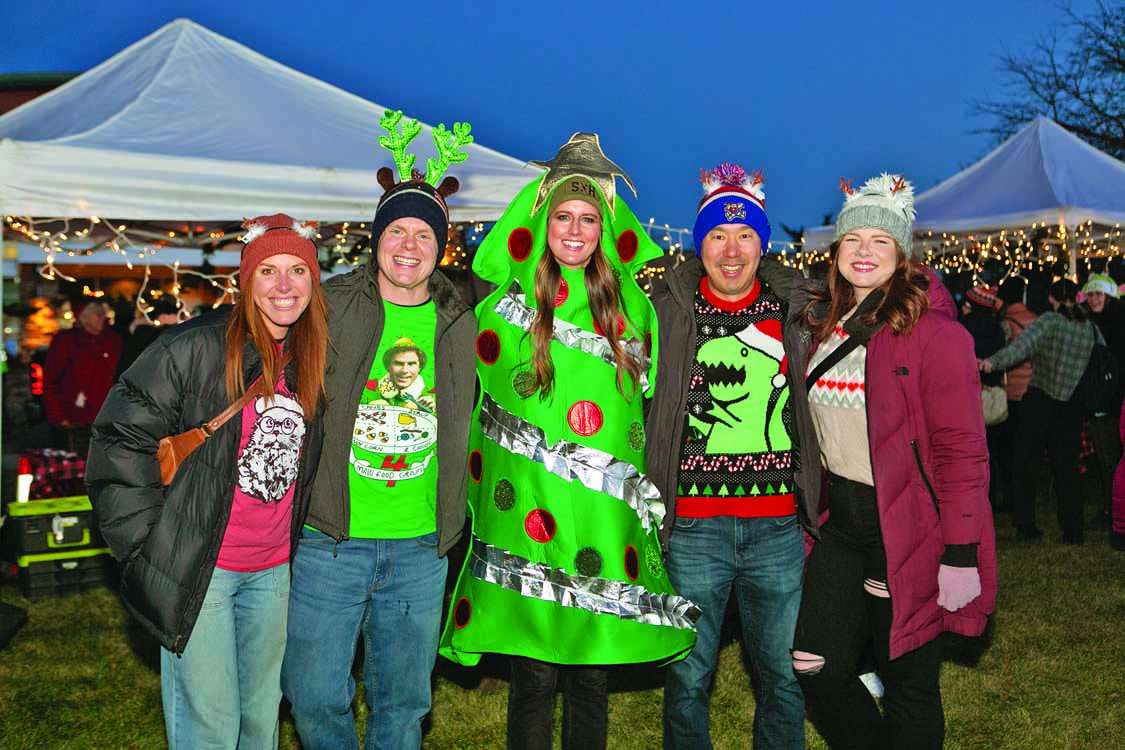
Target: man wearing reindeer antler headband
{"x": 721, "y": 427}
{"x": 371, "y": 561}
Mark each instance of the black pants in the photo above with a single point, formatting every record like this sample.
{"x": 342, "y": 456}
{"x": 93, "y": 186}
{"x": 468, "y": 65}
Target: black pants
{"x": 72, "y": 437}
{"x": 1106, "y": 434}
{"x": 1056, "y": 425}
{"x": 994, "y": 436}
{"x": 1001, "y": 458}
{"x": 839, "y": 617}
{"x": 531, "y": 706}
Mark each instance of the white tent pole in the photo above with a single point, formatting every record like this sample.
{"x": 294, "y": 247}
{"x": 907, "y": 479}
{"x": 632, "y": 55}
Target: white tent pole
{"x": 1071, "y": 251}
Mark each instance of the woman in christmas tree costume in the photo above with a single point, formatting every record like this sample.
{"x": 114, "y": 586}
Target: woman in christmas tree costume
{"x": 565, "y": 565}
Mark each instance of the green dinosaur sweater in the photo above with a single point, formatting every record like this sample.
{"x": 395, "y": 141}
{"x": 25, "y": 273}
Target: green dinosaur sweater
{"x": 736, "y": 457}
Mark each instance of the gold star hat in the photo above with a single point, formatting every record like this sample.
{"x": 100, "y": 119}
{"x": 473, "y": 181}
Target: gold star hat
{"x": 516, "y": 243}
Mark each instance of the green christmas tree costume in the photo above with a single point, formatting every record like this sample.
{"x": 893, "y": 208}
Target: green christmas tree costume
{"x": 564, "y": 563}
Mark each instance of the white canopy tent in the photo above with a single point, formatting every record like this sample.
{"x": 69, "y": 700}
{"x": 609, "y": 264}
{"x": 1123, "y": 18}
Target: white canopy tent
{"x": 188, "y": 125}
{"x": 1043, "y": 175}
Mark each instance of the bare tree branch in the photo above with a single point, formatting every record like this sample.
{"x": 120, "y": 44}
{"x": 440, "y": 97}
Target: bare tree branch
{"x": 1074, "y": 74}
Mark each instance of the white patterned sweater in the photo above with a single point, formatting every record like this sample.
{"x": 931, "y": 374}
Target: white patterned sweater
{"x": 838, "y": 401}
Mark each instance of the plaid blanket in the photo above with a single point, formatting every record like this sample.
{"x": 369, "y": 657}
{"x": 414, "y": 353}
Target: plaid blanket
{"x": 54, "y": 473}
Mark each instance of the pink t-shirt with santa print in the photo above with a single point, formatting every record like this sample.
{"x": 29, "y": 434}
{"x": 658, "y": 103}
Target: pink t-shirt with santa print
{"x": 269, "y": 456}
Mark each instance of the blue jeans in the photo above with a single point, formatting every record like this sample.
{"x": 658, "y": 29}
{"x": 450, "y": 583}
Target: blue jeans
{"x": 762, "y": 559}
{"x": 390, "y": 592}
{"x": 225, "y": 690}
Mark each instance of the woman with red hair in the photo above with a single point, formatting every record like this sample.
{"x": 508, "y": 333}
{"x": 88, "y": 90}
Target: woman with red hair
{"x": 205, "y": 560}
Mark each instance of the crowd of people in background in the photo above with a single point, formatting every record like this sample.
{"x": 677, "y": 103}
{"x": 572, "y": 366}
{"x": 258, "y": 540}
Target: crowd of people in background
{"x": 1041, "y": 358}
{"x": 79, "y": 364}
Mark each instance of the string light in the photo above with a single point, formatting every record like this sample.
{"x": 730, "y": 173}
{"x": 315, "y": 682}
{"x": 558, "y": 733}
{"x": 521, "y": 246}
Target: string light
{"x": 1035, "y": 248}
{"x": 123, "y": 241}
{"x": 346, "y": 243}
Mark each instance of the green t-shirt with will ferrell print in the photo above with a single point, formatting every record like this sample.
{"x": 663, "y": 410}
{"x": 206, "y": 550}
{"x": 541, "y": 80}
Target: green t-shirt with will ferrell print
{"x": 392, "y": 472}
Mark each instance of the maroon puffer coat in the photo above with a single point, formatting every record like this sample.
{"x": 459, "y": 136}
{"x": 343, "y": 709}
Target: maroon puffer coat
{"x": 930, "y": 462}
{"x": 926, "y": 432}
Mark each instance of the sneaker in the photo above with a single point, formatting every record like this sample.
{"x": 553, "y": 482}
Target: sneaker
{"x": 873, "y": 684}
{"x": 1028, "y": 533}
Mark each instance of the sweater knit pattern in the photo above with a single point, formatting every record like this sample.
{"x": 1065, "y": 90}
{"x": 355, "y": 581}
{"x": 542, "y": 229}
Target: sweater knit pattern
{"x": 841, "y": 385}
{"x": 736, "y": 459}
{"x": 838, "y": 401}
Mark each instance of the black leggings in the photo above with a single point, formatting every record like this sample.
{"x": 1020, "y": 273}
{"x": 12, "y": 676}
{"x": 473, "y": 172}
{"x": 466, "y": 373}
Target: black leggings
{"x": 531, "y": 706}
{"x": 839, "y": 617}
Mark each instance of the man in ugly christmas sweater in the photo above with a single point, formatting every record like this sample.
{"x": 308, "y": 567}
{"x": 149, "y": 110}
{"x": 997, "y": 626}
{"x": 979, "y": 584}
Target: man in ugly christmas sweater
{"x": 721, "y": 430}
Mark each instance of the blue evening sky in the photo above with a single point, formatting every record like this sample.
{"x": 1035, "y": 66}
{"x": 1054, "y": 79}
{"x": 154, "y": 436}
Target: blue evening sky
{"x": 807, "y": 91}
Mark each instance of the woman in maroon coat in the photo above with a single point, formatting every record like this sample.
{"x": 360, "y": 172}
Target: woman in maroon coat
{"x": 907, "y": 549}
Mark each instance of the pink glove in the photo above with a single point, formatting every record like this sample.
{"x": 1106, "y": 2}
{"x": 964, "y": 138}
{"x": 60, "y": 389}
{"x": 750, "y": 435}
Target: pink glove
{"x": 957, "y": 586}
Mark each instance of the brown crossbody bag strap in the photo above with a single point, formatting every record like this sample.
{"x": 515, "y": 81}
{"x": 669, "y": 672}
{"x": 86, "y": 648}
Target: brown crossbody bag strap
{"x": 252, "y": 392}
{"x": 175, "y": 448}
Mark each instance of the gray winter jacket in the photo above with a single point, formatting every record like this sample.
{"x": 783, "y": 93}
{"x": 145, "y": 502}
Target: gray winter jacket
{"x": 355, "y": 322}
{"x": 664, "y": 422}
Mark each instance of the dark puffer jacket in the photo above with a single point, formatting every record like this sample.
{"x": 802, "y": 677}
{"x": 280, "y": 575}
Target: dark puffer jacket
{"x": 168, "y": 539}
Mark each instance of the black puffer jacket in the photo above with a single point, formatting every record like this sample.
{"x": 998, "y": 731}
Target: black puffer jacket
{"x": 1111, "y": 322}
{"x": 168, "y": 539}
{"x": 988, "y": 338}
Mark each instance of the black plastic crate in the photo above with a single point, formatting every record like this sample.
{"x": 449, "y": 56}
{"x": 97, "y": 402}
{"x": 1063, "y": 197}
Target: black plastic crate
{"x": 58, "y": 574}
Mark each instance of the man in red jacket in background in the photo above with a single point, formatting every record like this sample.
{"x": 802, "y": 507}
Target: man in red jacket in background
{"x": 77, "y": 377}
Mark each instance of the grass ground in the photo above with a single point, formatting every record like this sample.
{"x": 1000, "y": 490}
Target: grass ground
{"x": 1046, "y": 675}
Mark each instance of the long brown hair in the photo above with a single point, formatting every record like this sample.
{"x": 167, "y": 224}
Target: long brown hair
{"x": 603, "y": 293}
{"x": 904, "y": 297}
{"x": 308, "y": 341}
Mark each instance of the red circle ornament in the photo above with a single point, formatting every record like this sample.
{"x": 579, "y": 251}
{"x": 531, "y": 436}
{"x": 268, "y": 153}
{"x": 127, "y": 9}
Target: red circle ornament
{"x": 476, "y": 465}
{"x": 585, "y": 418}
{"x": 620, "y": 327}
{"x": 627, "y": 245}
{"x": 462, "y": 613}
{"x": 539, "y": 525}
{"x": 564, "y": 292}
{"x": 632, "y": 563}
{"x": 519, "y": 244}
{"x": 488, "y": 347}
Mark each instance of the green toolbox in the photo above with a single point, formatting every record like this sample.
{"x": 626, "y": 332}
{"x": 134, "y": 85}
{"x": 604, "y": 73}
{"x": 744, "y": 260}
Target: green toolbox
{"x": 56, "y": 546}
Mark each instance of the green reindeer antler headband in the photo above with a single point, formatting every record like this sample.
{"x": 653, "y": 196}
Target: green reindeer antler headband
{"x": 401, "y": 132}
{"x": 414, "y": 194}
